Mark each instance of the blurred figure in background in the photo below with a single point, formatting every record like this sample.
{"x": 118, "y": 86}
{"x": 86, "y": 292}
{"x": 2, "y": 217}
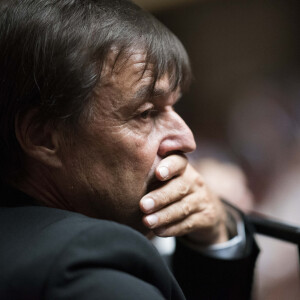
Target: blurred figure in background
{"x": 265, "y": 133}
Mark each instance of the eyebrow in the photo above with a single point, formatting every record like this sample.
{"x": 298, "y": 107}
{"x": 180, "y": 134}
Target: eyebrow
{"x": 145, "y": 92}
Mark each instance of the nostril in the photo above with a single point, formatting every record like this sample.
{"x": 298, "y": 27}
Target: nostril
{"x": 177, "y": 144}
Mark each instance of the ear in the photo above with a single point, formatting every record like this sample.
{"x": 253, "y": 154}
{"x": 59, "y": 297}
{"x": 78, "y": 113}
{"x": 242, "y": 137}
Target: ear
{"x": 38, "y": 141}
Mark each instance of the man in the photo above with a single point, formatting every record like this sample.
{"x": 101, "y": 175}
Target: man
{"x": 90, "y": 142}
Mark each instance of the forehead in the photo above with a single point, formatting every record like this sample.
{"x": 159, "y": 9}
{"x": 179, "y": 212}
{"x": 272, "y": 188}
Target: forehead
{"x": 131, "y": 72}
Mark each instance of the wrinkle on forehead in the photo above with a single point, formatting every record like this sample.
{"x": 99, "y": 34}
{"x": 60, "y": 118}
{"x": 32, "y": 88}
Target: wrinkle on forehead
{"x": 131, "y": 60}
{"x": 125, "y": 73}
{"x": 132, "y": 64}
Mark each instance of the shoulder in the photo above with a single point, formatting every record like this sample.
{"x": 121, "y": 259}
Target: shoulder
{"x": 54, "y": 231}
{"x": 71, "y": 255}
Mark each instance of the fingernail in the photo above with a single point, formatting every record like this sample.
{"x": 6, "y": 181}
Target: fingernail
{"x": 164, "y": 172}
{"x": 148, "y": 203}
{"x": 152, "y": 220}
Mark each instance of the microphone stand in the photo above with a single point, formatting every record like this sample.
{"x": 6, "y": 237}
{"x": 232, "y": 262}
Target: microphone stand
{"x": 275, "y": 229}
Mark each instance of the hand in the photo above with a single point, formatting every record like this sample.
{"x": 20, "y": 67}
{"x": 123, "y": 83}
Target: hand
{"x": 183, "y": 205}
{"x": 227, "y": 180}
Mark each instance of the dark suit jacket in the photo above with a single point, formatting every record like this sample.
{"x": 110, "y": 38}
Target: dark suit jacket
{"x": 47, "y": 253}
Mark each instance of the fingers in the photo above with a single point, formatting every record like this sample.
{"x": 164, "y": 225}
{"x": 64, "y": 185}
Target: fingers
{"x": 173, "y": 191}
{"x": 178, "y": 228}
{"x": 172, "y": 213}
{"x": 184, "y": 205}
{"x": 171, "y": 166}
{"x": 200, "y": 224}
{"x": 205, "y": 233}
{"x": 185, "y": 216}
{"x": 176, "y": 200}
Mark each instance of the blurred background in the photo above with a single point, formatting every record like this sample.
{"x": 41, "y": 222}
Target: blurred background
{"x": 244, "y": 109}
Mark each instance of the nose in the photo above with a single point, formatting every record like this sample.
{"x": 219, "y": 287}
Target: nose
{"x": 178, "y": 137}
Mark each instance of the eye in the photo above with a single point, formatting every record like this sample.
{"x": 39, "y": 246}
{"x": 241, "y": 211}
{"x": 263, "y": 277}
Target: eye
{"x": 147, "y": 114}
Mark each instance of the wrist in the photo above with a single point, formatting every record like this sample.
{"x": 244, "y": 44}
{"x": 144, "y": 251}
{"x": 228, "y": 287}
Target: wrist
{"x": 207, "y": 237}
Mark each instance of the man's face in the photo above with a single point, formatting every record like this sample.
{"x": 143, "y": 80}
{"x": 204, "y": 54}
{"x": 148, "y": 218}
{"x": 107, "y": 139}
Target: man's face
{"x": 112, "y": 160}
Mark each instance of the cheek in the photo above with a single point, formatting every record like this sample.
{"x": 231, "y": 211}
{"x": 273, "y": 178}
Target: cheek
{"x": 143, "y": 153}
{"x": 124, "y": 153}
{"x": 137, "y": 155}
{"x": 138, "y": 143}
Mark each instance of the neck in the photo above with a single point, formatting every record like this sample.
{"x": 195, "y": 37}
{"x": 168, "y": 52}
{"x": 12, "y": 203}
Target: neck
{"x": 40, "y": 184}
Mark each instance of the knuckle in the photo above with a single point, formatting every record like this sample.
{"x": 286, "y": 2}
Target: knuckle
{"x": 186, "y": 208}
{"x": 199, "y": 181}
{"x": 182, "y": 188}
{"x": 194, "y": 201}
{"x": 204, "y": 197}
{"x": 170, "y": 215}
{"x": 167, "y": 218}
{"x": 189, "y": 224}
{"x": 210, "y": 216}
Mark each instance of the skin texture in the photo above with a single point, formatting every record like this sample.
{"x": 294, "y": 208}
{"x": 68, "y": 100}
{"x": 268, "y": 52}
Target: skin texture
{"x": 113, "y": 163}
